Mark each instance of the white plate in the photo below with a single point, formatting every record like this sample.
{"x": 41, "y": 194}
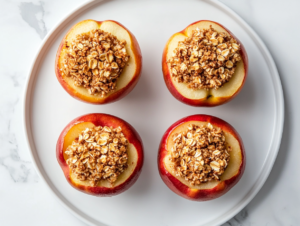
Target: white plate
{"x": 256, "y": 113}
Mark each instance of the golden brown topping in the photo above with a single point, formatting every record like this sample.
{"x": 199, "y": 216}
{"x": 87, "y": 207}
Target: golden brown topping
{"x": 206, "y": 60}
{"x": 98, "y": 154}
{"x": 200, "y": 154}
{"x": 95, "y": 60}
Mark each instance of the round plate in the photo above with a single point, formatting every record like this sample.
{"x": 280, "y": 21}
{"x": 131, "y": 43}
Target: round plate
{"x": 256, "y": 113}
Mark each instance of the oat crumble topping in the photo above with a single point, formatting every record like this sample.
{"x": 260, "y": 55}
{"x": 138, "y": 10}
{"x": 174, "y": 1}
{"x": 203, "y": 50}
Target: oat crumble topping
{"x": 200, "y": 154}
{"x": 95, "y": 60}
{"x": 206, "y": 60}
{"x": 99, "y": 153}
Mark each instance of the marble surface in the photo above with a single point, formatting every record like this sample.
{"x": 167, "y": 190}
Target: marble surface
{"x": 24, "y": 197}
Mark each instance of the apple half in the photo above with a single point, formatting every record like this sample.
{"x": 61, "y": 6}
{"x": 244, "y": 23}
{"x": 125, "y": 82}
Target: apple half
{"x": 128, "y": 78}
{"x": 203, "y": 97}
{"x": 135, "y": 154}
{"x": 209, "y": 190}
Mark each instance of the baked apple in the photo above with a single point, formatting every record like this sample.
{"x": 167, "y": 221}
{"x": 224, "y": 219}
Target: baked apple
{"x": 98, "y": 61}
{"x": 204, "y": 65}
{"x": 201, "y": 157}
{"x": 100, "y": 154}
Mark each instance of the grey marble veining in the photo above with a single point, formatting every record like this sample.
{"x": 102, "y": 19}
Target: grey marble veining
{"x": 21, "y": 191}
{"x": 240, "y": 219}
{"x": 33, "y": 14}
{"x": 19, "y": 170}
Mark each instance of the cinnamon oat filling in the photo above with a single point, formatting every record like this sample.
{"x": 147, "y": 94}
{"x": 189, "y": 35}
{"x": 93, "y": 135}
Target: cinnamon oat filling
{"x": 99, "y": 153}
{"x": 200, "y": 154}
{"x": 206, "y": 60}
{"x": 95, "y": 60}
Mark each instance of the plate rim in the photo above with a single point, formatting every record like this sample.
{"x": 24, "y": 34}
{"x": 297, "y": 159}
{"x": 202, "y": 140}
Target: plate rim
{"x": 275, "y": 140}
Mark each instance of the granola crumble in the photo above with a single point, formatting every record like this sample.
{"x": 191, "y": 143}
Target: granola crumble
{"x": 99, "y": 153}
{"x": 95, "y": 60}
{"x": 200, "y": 154}
{"x": 206, "y": 60}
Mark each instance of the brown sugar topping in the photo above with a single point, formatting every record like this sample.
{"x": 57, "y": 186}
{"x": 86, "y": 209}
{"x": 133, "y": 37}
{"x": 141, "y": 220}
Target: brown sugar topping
{"x": 99, "y": 153}
{"x": 200, "y": 154}
{"x": 95, "y": 60}
{"x": 206, "y": 60}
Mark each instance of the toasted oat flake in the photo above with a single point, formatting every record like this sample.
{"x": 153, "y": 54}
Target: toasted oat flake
{"x": 206, "y": 60}
{"x": 200, "y": 154}
{"x": 92, "y": 158}
{"x": 95, "y": 60}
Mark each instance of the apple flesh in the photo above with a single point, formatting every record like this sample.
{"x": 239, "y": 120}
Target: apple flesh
{"x": 209, "y": 190}
{"x": 127, "y": 80}
{"x": 202, "y": 97}
{"x": 135, "y": 154}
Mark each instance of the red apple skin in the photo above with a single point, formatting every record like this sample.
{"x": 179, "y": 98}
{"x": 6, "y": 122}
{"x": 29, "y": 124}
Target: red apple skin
{"x": 181, "y": 189}
{"x": 103, "y": 120}
{"x": 205, "y": 102}
{"x": 114, "y": 96}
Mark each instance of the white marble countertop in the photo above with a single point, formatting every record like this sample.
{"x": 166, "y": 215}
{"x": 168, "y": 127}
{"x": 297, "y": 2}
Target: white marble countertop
{"x": 24, "y": 197}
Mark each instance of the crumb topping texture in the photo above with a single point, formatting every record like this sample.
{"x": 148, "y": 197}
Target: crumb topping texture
{"x": 98, "y": 154}
{"x": 95, "y": 60}
{"x": 200, "y": 154}
{"x": 206, "y": 60}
